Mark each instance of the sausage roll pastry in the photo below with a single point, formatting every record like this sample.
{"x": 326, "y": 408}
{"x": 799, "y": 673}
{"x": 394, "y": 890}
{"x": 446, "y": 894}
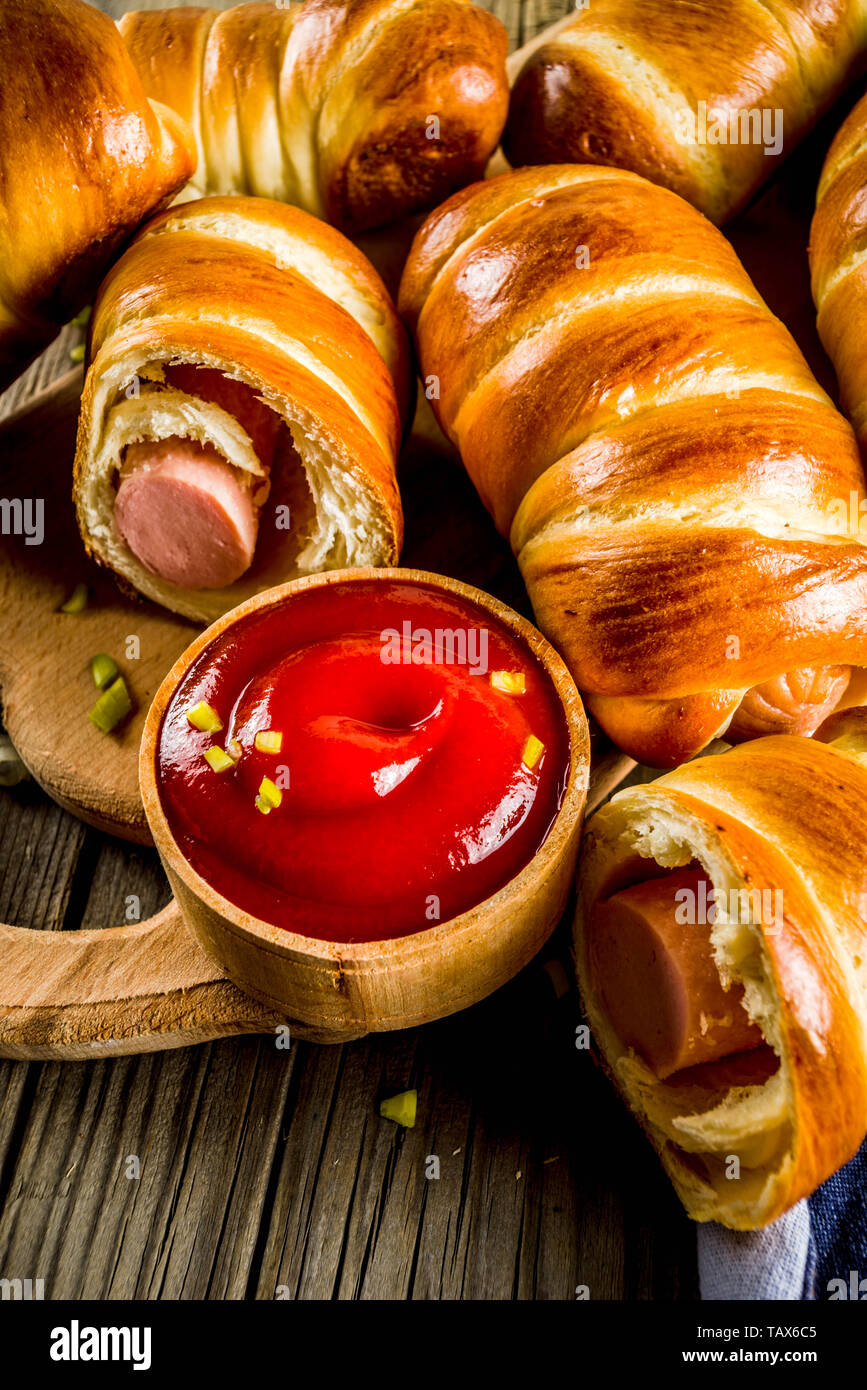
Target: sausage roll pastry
{"x": 701, "y": 97}
{"x": 84, "y": 159}
{"x": 838, "y": 264}
{"x": 242, "y": 409}
{"x": 669, "y": 471}
{"x": 721, "y": 949}
{"x": 359, "y": 111}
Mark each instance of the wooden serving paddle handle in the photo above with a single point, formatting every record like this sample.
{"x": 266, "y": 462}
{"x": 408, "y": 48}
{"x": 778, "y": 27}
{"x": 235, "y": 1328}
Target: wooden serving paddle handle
{"x": 138, "y": 988}
{"x": 75, "y": 995}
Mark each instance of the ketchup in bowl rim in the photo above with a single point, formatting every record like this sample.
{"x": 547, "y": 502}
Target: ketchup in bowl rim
{"x": 298, "y": 668}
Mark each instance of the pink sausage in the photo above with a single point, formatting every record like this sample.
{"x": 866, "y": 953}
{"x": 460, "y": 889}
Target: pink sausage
{"x": 180, "y": 506}
{"x": 658, "y": 980}
{"x": 184, "y": 514}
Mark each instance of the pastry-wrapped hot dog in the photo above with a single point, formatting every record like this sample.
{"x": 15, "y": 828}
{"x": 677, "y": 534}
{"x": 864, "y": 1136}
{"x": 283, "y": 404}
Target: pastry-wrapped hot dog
{"x": 721, "y": 949}
{"x": 84, "y": 158}
{"x": 838, "y": 266}
{"x": 701, "y": 97}
{"x": 242, "y": 410}
{"x": 359, "y": 111}
{"x": 646, "y": 432}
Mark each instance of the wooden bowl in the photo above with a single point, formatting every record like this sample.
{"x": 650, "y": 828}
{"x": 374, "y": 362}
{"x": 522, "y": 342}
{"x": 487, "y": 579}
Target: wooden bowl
{"x": 334, "y": 991}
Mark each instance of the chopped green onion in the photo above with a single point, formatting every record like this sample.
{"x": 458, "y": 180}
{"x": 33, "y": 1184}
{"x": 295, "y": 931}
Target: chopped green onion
{"x": 112, "y": 707}
{"x": 76, "y": 354}
{"x": 104, "y": 670}
{"x": 83, "y": 319}
{"x": 401, "y": 1109}
{"x": 204, "y": 718}
{"x": 77, "y": 601}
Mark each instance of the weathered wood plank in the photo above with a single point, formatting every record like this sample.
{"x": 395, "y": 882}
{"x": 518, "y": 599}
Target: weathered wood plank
{"x": 39, "y": 850}
{"x": 245, "y": 1148}
{"x": 50, "y": 365}
{"x": 127, "y": 885}
{"x": 200, "y": 1123}
{"x": 522, "y": 1127}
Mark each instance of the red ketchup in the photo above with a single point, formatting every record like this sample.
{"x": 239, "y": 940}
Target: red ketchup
{"x": 409, "y": 786}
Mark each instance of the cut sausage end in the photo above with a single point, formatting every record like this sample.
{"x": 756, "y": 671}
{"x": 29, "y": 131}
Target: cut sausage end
{"x": 658, "y": 980}
{"x": 185, "y": 515}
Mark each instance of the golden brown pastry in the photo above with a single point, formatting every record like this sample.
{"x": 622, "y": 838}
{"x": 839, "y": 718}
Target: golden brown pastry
{"x": 242, "y": 410}
{"x": 359, "y": 111}
{"x": 838, "y": 262}
{"x": 702, "y": 97}
{"x": 654, "y": 444}
{"x": 740, "y": 1047}
{"x": 84, "y": 158}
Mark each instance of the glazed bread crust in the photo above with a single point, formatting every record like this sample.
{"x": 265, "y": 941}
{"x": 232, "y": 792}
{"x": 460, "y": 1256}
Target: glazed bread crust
{"x": 84, "y": 158}
{"x": 616, "y": 83}
{"x": 278, "y": 300}
{"x": 651, "y": 439}
{"x": 785, "y": 817}
{"x": 838, "y": 263}
{"x": 358, "y": 111}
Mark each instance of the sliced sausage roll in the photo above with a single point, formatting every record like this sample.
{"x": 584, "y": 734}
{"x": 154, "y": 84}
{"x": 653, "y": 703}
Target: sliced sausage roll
{"x": 242, "y": 411}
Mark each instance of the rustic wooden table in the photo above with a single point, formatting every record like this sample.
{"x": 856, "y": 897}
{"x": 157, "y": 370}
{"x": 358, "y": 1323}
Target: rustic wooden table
{"x": 264, "y": 1173}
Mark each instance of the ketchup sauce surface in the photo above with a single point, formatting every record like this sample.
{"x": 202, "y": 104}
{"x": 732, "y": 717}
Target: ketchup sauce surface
{"x": 405, "y": 797}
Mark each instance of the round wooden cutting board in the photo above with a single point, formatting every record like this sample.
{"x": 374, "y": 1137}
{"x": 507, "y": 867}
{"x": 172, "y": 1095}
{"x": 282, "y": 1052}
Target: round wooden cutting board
{"x": 45, "y": 654}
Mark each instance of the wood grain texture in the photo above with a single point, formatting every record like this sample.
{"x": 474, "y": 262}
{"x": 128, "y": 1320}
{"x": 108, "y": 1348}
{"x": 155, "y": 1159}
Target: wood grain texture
{"x": 266, "y": 1171}
{"x": 45, "y": 654}
{"x": 142, "y": 987}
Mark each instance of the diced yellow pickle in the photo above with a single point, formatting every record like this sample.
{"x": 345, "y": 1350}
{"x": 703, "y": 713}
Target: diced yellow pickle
{"x": 533, "y": 750}
{"x": 103, "y": 668}
{"x": 512, "y": 682}
{"x": 204, "y": 718}
{"x": 263, "y": 806}
{"x": 112, "y": 707}
{"x": 270, "y": 793}
{"x": 218, "y": 758}
{"x": 401, "y": 1108}
{"x": 269, "y": 741}
{"x": 77, "y": 601}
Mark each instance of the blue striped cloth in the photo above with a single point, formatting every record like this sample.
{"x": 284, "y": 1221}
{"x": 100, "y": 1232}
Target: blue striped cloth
{"x": 818, "y": 1250}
